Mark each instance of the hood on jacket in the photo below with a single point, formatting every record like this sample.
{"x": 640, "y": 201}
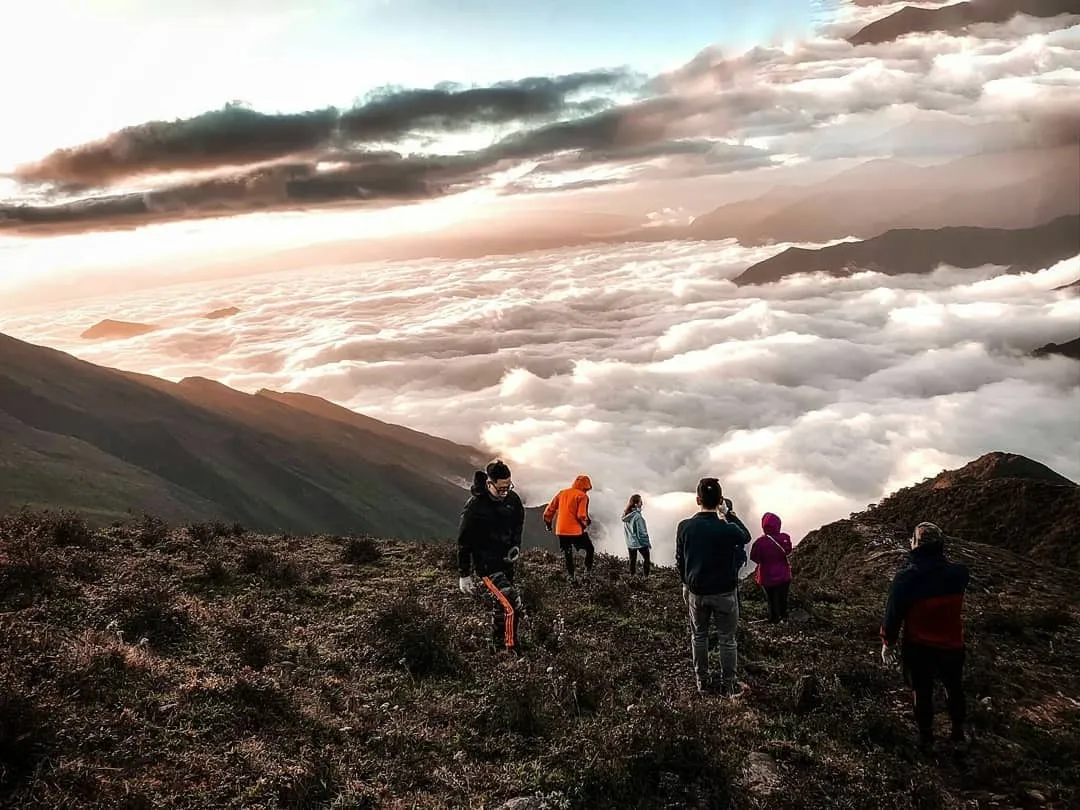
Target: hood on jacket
{"x": 583, "y": 482}
{"x": 770, "y": 523}
{"x": 479, "y": 484}
{"x": 630, "y": 515}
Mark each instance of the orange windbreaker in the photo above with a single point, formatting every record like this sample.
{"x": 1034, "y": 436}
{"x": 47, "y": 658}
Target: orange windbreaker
{"x": 572, "y": 506}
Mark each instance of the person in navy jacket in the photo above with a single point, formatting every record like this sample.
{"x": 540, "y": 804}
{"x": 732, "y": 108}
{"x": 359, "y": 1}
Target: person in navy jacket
{"x": 927, "y": 601}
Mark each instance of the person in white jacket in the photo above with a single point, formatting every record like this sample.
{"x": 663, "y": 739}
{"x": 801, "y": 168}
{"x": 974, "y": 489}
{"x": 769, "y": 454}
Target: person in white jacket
{"x": 637, "y": 535}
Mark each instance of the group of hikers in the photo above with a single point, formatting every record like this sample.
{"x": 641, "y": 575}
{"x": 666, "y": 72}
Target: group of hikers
{"x": 925, "y": 600}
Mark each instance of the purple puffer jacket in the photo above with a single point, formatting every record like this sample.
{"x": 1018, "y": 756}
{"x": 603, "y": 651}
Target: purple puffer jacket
{"x": 771, "y": 557}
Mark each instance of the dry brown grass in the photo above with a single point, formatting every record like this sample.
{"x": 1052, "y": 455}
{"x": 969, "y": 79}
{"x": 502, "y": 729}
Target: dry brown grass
{"x": 314, "y": 673}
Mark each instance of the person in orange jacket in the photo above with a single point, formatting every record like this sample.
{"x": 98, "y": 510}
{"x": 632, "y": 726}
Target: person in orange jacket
{"x": 569, "y": 512}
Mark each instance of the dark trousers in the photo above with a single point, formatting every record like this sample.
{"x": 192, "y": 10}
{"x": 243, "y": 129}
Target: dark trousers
{"x": 646, "y": 564}
{"x": 776, "y": 596}
{"x": 581, "y": 542}
{"x": 506, "y": 608}
{"x": 922, "y": 667}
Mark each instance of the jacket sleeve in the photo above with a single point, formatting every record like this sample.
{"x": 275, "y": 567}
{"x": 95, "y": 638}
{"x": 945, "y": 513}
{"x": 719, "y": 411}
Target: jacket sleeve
{"x": 466, "y": 534}
{"x": 642, "y": 529}
{"x": 680, "y": 555}
{"x": 742, "y": 528}
{"x": 896, "y": 609}
{"x": 519, "y": 523}
{"x": 549, "y": 513}
{"x": 583, "y": 511}
{"x": 755, "y": 551}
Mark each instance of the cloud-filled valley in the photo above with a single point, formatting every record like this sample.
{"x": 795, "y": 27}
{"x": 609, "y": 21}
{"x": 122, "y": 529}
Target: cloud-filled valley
{"x": 644, "y": 367}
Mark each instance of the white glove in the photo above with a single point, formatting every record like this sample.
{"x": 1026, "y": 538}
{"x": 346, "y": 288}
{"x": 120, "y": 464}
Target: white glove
{"x": 889, "y": 657}
{"x": 466, "y": 585}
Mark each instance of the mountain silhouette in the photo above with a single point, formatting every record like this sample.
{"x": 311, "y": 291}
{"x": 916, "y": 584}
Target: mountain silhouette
{"x": 109, "y": 329}
{"x": 922, "y": 251}
{"x": 1070, "y": 348}
{"x": 957, "y": 16}
{"x": 79, "y": 435}
{"x": 1022, "y": 189}
{"x": 224, "y": 312}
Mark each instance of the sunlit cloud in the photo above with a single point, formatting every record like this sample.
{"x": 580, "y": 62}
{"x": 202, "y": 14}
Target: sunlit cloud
{"x": 646, "y": 370}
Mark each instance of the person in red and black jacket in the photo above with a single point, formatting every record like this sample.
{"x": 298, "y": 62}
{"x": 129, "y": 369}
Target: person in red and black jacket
{"x": 927, "y": 600}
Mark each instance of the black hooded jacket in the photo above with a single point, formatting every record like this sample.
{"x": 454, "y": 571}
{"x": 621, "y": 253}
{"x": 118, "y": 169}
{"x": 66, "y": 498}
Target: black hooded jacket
{"x": 489, "y": 529}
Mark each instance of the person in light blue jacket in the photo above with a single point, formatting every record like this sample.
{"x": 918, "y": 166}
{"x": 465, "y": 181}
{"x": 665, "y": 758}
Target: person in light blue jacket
{"x": 637, "y": 535}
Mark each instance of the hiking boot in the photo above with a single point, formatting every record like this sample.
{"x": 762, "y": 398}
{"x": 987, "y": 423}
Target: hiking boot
{"x": 731, "y": 689}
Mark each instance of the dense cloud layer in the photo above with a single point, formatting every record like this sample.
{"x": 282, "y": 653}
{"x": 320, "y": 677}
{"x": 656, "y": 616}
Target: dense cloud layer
{"x": 646, "y": 368}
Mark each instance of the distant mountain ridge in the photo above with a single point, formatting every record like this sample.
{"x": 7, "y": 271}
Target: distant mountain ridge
{"x": 957, "y": 16}
{"x": 110, "y": 329}
{"x": 915, "y": 250}
{"x": 1070, "y": 348}
{"x": 82, "y": 436}
{"x": 1022, "y": 189}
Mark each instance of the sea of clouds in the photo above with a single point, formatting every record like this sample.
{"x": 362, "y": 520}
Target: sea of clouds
{"x": 645, "y": 367}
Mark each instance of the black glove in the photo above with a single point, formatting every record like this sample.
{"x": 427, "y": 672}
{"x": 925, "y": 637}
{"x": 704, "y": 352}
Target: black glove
{"x": 547, "y": 525}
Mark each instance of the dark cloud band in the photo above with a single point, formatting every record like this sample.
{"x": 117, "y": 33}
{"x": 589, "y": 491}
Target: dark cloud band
{"x": 239, "y": 136}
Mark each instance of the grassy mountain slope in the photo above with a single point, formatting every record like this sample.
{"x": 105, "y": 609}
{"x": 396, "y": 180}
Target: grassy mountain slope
{"x": 104, "y": 440}
{"x": 1000, "y": 499}
{"x": 200, "y": 668}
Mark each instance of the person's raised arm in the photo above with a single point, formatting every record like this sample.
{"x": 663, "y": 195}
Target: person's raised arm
{"x": 734, "y": 519}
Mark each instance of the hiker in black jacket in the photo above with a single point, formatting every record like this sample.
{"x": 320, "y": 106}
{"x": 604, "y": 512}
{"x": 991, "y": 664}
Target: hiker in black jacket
{"x": 927, "y": 600}
{"x": 710, "y": 548}
{"x": 489, "y": 541}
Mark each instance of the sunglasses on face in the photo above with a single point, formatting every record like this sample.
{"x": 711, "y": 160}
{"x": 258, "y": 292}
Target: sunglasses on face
{"x": 502, "y": 489}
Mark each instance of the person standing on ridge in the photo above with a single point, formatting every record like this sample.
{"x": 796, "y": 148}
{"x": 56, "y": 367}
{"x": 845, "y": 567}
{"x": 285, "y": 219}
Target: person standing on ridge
{"x": 927, "y": 601}
{"x": 571, "y": 506}
{"x": 489, "y": 542}
{"x": 637, "y": 535}
{"x": 771, "y": 552}
{"x": 710, "y": 548}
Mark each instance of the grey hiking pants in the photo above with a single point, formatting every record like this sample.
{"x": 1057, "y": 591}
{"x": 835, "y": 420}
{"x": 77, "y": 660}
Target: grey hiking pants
{"x": 723, "y": 608}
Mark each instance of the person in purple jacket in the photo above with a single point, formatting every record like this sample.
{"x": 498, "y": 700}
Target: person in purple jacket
{"x": 771, "y": 552}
